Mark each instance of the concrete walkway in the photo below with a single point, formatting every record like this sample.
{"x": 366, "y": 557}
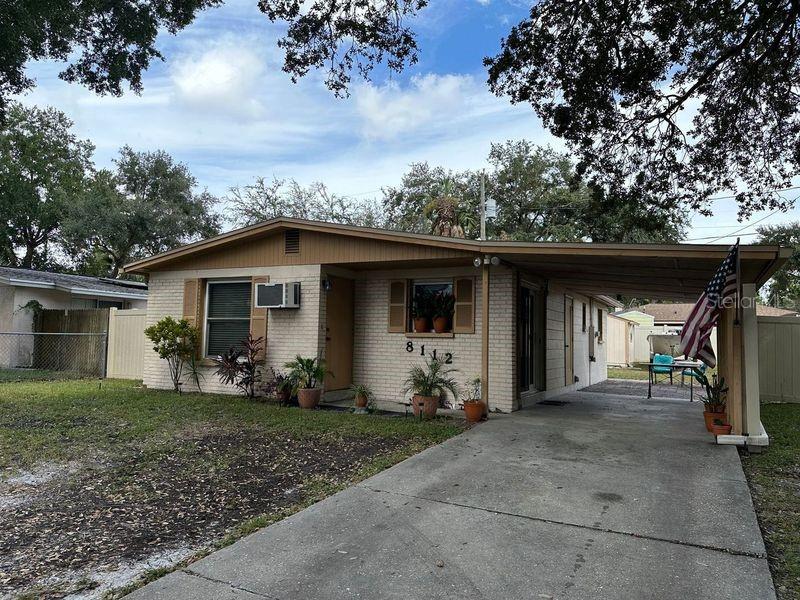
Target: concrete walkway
{"x": 601, "y": 497}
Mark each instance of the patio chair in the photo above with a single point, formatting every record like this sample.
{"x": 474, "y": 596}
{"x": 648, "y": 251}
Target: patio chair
{"x": 694, "y": 372}
{"x": 667, "y": 361}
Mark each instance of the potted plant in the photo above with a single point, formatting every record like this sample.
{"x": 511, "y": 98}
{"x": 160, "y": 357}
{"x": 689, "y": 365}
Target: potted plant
{"x": 474, "y": 407}
{"x": 283, "y": 386}
{"x": 719, "y": 427}
{"x": 714, "y": 399}
{"x": 308, "y": 373}
{"x": 362, "y": 395}
{"x": 421, "y": 311}
{"x": 443, "y": 306}
{"x": 429, "y": 383}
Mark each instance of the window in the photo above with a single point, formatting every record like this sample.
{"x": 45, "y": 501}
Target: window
{"x": 600, "y": 324}
{"x": 227, "y": 315}
{"x": 435, "y": 306}
{"x": 583, "y": 317}
{"x": 432, "y": 306}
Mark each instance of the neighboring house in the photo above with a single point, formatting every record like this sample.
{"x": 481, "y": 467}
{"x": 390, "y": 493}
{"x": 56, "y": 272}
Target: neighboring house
{"x": 529, "y": 318}
{"x": 637, "y": 316}
{"x": 18, "y": 287}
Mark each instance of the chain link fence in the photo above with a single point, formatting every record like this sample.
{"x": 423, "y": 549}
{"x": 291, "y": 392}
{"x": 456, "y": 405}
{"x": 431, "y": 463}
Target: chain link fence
{"x": 57, "y": 355}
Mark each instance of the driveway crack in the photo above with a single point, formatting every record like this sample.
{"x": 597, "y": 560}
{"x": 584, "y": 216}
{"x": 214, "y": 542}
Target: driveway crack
{"x": 228, "y": 583}
{"x": 654, "y": 538}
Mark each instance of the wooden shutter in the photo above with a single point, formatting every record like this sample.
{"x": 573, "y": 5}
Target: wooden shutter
{"x": 258, "y": 317}
{"x": 397, "y": 305}
{"x": 193, "y": 300}
{"x": 464, "y": 314}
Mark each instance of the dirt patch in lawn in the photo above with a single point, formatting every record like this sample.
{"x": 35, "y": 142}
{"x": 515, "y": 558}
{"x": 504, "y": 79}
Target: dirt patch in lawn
{"x": 72, "y": 532}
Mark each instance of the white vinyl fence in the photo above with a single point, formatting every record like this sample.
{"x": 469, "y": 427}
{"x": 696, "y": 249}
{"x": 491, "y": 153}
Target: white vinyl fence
{"x": 779, "y": 359}
{"x": 619, "y": 338}
{"x": 126, "y": 343}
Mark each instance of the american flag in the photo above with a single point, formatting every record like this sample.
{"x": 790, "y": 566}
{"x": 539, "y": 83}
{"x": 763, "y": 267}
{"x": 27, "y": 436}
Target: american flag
{"x": 705, "y": 314}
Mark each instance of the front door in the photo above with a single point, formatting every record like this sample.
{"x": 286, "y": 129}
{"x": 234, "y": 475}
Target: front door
{"x": 569, "y": 341}
{"x": 339, "y": 334}
{"x": 531, "y": 339}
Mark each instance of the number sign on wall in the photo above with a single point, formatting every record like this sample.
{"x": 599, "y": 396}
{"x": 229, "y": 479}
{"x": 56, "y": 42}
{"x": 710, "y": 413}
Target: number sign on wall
{"x": 446, "y": 357}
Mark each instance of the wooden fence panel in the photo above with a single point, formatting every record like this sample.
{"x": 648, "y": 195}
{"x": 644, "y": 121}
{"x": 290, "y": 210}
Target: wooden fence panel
{"x": 82, "y": 354}
{"x": 778, "y": 359}
{"x": 126, "y": 343}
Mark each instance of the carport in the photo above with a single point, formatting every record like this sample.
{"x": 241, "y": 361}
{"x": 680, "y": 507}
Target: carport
{"x": 667, "y": 272}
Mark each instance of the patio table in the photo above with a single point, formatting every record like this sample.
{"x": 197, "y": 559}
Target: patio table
{"x": 677, "y": 365}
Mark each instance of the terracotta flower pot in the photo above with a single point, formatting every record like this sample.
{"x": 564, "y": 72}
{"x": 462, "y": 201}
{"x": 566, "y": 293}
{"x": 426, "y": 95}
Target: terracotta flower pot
{"x": 361, "y": 401}
{"x": 309, "y": 398}
{"x": 721, "y": 429}
{"x": 285, "y": 397}
{"x": 440, "y": 324}
{"x": 427, "y": 405}
{"x": 473, "y": 411}
{"x": 421, "y": 325}
{"x": 711, "y": 416}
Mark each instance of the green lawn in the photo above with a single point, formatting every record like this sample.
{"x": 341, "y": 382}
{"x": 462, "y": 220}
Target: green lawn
{"x": 133, "y": 473}
{"x": 638, "y": 371}
{"x": 15, "y": 375}
{"x": 774, "y": 478}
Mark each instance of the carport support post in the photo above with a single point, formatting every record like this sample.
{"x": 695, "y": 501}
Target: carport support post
{"x": 752, "y": 394}
{"x": 485, "y": 335}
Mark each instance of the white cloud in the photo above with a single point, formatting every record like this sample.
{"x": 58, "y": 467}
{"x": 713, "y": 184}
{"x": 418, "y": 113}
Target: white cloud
{"x": 223, "y": 78}
{"x": 430, "y": 102}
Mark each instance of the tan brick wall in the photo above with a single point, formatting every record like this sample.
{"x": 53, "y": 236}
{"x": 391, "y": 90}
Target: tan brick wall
{"x": 380, "y": 359}
{"x": 290, "y": 331}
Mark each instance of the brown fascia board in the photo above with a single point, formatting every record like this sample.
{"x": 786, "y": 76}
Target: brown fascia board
{"x": 472, "y": 246}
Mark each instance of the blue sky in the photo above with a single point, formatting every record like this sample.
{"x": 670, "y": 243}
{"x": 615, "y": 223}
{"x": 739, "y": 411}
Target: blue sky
{"x": 221, "y": 104}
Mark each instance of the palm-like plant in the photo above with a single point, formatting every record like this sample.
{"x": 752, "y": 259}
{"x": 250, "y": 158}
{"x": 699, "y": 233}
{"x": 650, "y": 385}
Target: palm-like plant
{"x": 715, "y": 392}
{"x": 307, "y": 372}
{"x": 434, "y": 378}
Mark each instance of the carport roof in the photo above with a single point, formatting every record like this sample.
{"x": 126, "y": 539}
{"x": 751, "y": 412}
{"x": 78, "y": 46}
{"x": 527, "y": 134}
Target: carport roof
{"x": 675, "y": 271}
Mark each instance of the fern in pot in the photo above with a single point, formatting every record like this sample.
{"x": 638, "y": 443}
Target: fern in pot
{"x": 309, "y": 374}
{"x": 429, "y": 384}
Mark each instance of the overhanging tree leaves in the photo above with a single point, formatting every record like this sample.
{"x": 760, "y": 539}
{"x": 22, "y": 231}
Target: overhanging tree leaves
{"x": 105, "y": 43}
{"x": 614, "y": 79}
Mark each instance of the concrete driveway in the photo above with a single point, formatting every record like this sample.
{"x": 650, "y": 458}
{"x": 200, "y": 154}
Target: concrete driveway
{"x": 604, "y": 496}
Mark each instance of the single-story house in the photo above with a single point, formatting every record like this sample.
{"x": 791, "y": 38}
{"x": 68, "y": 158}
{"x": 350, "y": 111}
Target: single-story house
{"x": 18, "y": 287}
{"x": 674, "y": 314}
{"x": 528, "y": 318}
{"x": 637, "y": 316}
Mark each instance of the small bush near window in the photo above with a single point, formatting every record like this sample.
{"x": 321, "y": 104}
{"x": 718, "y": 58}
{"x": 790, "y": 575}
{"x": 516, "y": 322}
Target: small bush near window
{"x": 176, "y": 342}
{"x": 239, "y": 366}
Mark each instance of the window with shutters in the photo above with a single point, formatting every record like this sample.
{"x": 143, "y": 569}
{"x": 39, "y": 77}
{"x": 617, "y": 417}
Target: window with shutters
{"x": 430, "y": 307}
{"x": 227, "y": 315}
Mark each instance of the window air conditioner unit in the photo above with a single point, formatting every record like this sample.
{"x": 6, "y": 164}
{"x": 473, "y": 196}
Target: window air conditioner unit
{"x": 278, "y": 295}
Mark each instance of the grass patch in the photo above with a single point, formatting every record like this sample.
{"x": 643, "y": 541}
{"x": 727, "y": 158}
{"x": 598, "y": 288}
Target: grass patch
{"x": 638, "y": 371}
{"x": 67, "y": 420}
{"x": 194, "y": 472}
{"x": 774, "y": 478}
{"x": 16, "y": 375}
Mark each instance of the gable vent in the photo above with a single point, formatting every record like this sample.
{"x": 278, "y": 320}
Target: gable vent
{"x": 291, "y": 241}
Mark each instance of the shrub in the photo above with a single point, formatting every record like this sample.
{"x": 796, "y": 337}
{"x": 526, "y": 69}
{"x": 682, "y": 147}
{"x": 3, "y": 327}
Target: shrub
{"x": 239, "y": 366}
{"x": 176, "y": 342}
{"x": 434, "y": 379}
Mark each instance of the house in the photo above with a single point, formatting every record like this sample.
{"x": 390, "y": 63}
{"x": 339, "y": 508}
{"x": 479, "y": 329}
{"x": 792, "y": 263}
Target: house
{"x": 529, "y": 318}
{"x": 18, "y": 287}
{"x": 673, "y": 315}
{"x": 637, "y": 316}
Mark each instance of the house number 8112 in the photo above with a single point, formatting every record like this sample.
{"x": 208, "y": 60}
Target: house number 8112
{"x": 448, "y": 356}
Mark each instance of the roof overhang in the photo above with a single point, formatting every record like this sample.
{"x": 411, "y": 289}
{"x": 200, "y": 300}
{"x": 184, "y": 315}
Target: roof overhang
{"x": 668, "y": 271}
{"x": 75, "y": 291}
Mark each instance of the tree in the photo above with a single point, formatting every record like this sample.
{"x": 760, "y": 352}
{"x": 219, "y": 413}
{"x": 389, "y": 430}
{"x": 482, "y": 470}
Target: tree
{"x": 265, "y": 200}
{"x": 414, "y": 205}
{"x": 109, "y": 44}
{"x": 176, "y": 342}
{"x": 539, "y": 197}
{"x": 615, "y": 78}
{"x": 784, "y": 287}
{"x": 105, "y": 44}
{"x": 146, "y": 206}
{"x": 43, "y": 168}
